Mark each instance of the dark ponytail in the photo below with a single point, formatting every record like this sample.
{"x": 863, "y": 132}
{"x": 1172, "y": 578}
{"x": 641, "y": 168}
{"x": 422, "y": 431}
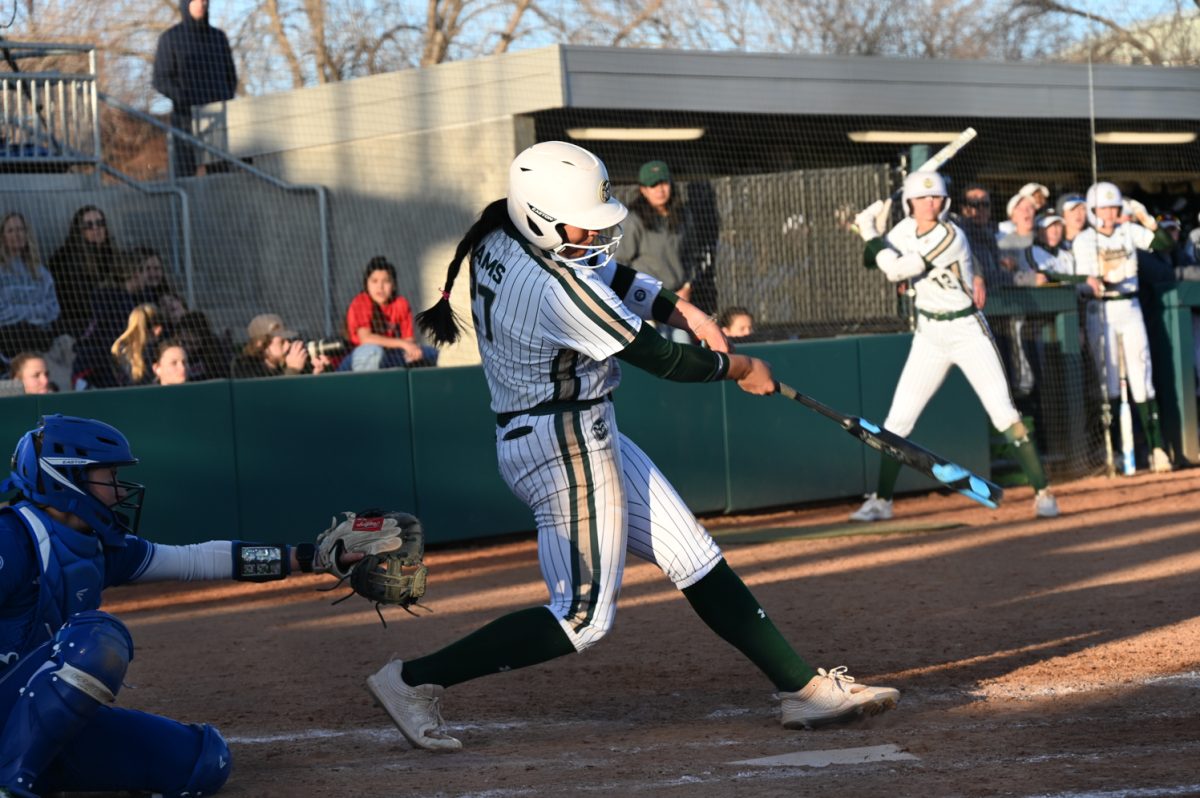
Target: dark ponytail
{"x": 438, "y": 322}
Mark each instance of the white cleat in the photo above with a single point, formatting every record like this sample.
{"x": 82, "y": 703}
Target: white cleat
{"x": 873, "y": 509}
{"x": 416, "y": 711}
{"x": 1159, "y": 462}
{"x": 833, "y": 697}
{"x": 1045, "y": 505}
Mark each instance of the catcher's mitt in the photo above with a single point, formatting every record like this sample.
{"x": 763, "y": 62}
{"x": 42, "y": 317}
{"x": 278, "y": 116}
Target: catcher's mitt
{"x": 392, "y": 570}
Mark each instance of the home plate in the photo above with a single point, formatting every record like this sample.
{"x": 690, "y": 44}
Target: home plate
{"x": 840, "y": 756}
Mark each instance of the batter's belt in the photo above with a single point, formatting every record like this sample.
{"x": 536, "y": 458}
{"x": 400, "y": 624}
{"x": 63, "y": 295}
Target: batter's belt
{"x": 1118, "y": 297}
{"x": 948, "y": 315}
{"x": 550, "y": 408}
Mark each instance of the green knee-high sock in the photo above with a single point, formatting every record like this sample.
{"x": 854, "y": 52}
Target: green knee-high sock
{"x": 517, "y": 640}
{"x": 1148, "y": 413}
{"x": 1026, "y": 453}
{"x": 889, "y": 472}
{"x": 724, "y": 602}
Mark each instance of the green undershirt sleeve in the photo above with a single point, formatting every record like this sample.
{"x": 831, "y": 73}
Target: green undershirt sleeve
{"x": 664, "y": 305}
{"x": 1162, "y": 240}
{"x": 873, "y": 248}
{"x": 676, "y": 362}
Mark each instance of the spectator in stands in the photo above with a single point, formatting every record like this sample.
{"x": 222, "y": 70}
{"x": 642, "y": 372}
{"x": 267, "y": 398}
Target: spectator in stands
{"x": 30, "y": 370}
{"x": 1014, "y": 246}
{"x": 975, "y": 219}
{"x": 140, "y": 281}
{"x": 658, "y": 236}
{"x": 736, "y": 322}
{"x": 379, "y": 324}
{"x": 134, "y": 350}
{"x": 193, "y": 65}
{"x": 1193, "y": 242}
{"x": 1073, "y": 210}
{"x": 1037, "y": 194}
{"x": 1167, "y": 265}
{"x": 273, "y": 350}
{"x": 87, "y": 258}
{"x": 209, "y": 356}
{"x": 170, "y": 364}
{"x": 28, "y": 303}
{"x": 172, "y": 307}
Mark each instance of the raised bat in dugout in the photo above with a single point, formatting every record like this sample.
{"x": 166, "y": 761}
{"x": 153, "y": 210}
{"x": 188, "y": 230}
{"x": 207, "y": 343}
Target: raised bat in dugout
{"x": 936, "y": 161}
{"x": 904, "y": 451}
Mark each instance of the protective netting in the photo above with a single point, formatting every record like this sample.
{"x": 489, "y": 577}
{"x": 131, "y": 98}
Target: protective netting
{"x": 290, "y": 228}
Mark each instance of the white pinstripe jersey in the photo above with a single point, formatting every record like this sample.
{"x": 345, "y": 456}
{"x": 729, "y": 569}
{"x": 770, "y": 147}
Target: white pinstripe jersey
{"x": 947, "y": 285}
{"x": 546, "y": 332}
{"x": 1112, "y": 258}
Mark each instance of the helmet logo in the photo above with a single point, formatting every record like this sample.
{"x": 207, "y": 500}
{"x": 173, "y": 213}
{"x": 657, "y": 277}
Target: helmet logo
{"x": 1109, "y": 195}
{"x": 540, "y": 212}
{"x": 605, "y": 195}
{"x": 928, "y": 182}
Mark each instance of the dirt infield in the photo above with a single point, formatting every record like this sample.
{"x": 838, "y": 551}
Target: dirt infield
{"x": 1050, "y": 658}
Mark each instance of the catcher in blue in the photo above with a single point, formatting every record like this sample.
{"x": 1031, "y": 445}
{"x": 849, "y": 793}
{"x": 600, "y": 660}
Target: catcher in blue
{"x": 69, "y": 533}
{"x": 553, "y": 313}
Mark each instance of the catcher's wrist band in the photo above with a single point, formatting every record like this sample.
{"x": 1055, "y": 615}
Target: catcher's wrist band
{"x": 259, "y": 562}
{"x": 305, "y": 553}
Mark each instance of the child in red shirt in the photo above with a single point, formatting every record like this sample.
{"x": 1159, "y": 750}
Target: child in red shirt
{"x": 379, "y": 324}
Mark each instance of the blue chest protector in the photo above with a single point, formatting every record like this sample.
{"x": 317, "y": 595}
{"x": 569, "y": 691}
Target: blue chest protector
{"x": 71, "y": 572}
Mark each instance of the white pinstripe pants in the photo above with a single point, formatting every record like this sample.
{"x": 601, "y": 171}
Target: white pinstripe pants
{"x": 594, "y": 496}
{"x": 938, "y": 345}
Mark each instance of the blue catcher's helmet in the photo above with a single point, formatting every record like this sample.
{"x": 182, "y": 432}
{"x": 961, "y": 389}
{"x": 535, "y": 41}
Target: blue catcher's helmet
{"x": 50, "y": 466}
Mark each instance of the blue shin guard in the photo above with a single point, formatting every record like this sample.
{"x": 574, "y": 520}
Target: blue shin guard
{"x": 84, "y": 672}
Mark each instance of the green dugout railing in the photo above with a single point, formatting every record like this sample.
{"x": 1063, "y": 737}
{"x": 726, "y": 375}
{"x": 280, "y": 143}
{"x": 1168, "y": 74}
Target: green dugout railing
{"x": 1168, "y": 308}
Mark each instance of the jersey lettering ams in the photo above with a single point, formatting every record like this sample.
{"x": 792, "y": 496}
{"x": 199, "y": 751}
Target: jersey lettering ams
{"x": 546, "y": 332}
{"x": 947, "y": 285}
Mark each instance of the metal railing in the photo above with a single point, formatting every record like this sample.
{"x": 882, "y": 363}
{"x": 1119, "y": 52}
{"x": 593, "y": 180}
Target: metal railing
{"x": 174, "y": 136}
{"x": 49, "y": 117}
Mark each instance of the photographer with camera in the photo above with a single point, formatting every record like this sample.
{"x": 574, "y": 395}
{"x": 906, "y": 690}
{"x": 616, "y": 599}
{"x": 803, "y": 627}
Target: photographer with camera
{"x": 272, "y": 350}
{"x": 379, "y": 325}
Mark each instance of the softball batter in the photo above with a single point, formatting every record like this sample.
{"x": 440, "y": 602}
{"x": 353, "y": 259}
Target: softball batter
{"x": 551, "y": 310}
{"x": 933, "y": 255}
{"x": 1108, "y": 250}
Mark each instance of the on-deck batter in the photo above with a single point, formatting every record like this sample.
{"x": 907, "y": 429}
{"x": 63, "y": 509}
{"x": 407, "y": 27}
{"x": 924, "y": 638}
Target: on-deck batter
{"x": 551, "y": 310}
{"x": 1108, "y": 250}
{"x": 933, "y": 254}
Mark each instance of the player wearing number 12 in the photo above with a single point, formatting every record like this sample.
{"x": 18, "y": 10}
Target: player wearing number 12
{"x": 934, "y": 256}
{"x": 553, "y": 311}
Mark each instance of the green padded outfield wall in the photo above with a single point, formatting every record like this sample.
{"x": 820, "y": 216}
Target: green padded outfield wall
{"x": 308, "y": 447}
{"x": 460, "y": 492}
{"x": 781, "y": 452}
{"x": 183, "y": 436}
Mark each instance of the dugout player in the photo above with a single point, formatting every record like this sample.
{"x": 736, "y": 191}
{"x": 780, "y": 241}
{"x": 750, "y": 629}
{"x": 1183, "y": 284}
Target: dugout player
{"x": 67, "y": 535}
{"x": 933, "y": 255}
{"x": 1108, "y": 250}
{"x": 553, "y": 311}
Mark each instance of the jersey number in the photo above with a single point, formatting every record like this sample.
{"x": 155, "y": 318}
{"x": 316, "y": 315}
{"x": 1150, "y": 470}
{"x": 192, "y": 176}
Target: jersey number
{"x": 945, "y": 279}
{"x": 482, "y": 312}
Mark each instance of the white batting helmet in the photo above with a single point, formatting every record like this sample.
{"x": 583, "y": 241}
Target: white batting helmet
{"x": 555, "y": 183}
{"x": 1104, "y": 195}
{"x": 925, "y": 184}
